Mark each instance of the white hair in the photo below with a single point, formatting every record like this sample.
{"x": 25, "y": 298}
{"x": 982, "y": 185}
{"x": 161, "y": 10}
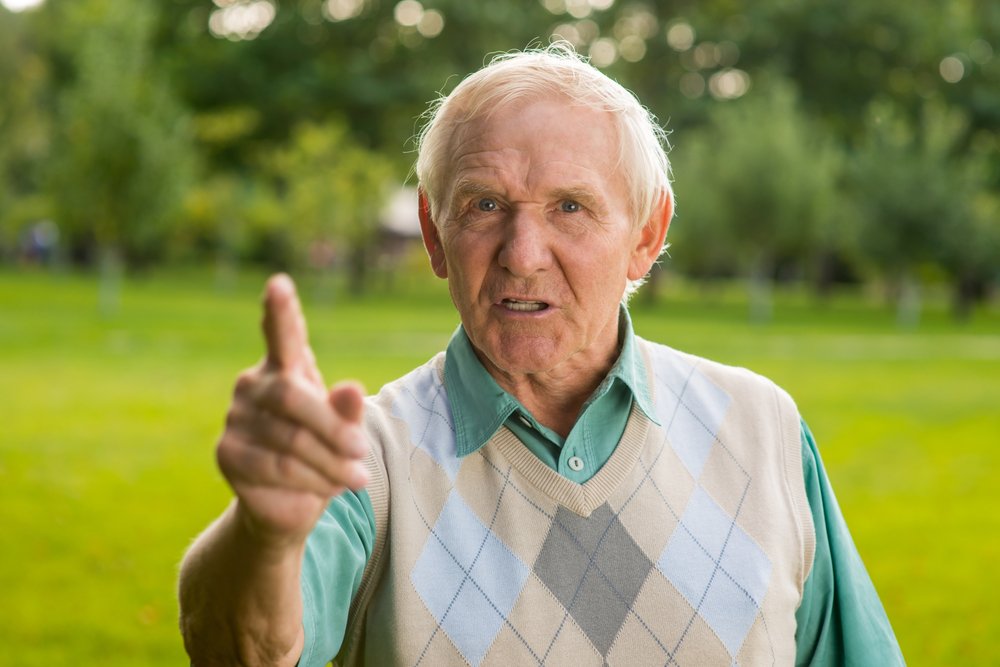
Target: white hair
{"x": 543, "y": 73}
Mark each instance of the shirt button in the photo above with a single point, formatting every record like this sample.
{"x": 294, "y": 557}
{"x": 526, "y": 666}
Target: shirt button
{"x": 575, "y": 463}
{"x": 525, "y": 420}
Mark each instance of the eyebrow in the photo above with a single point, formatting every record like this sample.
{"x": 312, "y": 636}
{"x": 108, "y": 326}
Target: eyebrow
{"x": 464, "y": 189}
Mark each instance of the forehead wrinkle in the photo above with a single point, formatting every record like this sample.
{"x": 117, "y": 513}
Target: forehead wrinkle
{"x": 531, "y": 175}
{"x": 484, "y": 165}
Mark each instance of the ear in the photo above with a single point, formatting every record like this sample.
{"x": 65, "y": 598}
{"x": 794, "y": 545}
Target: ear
{"x": 649, "y": 239}
{"x": 432, "y": 240}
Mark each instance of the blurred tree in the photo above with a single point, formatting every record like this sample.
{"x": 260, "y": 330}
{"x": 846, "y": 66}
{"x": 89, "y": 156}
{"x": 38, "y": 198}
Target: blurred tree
{"x": 971, "y": 253}
{"x": 25, "y": 126}
{"x": 354, "y": 59}
{"x": 252, "y": 71}
{"x": 121, "y": 158}
{"x": 844, "y": 55}
{"x": 759, "y": 181}
{"x": 917, "y": 196}
{"x": 333, "y": 190}
{"x": 212, "y": 224}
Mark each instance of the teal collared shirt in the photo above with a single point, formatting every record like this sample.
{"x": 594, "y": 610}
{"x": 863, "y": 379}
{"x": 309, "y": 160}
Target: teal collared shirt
{"x": 840, "y": 621}
{"x": 479, "y": 407}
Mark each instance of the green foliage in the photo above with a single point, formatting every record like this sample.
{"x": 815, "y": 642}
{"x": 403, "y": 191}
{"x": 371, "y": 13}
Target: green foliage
{"x": 209, "y": 224}
{"x": 109, "y": 105}
{"x": 757, "y": 187}
{"x": 912, "y": 192}
{"x": 121, "y": 157}
{"x": 332, "y": 191}
{"x": 25, "y": 126}
{"x": 312, "y": 201}
{"x": 923, "y": 202}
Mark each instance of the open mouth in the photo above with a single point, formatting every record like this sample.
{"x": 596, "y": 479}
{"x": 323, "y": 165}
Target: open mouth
{"x": 524, "y": 306}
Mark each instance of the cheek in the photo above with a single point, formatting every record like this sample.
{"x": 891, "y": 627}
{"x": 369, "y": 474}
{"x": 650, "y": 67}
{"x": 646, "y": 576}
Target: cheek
{"x": 466, "y": 276}
{"x": 601, "y": 280}
{"x": 470, "y": 255}
{"x": 601, "y": 263}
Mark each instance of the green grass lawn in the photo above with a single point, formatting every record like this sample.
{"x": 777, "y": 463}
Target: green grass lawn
{"x": 109, "y": 422}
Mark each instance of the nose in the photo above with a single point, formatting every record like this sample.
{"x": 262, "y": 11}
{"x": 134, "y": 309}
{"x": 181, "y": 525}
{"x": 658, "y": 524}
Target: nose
{"x": 525, "y": 246}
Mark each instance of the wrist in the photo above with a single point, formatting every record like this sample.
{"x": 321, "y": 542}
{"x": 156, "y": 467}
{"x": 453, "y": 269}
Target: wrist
{"x": 273, "y": 547}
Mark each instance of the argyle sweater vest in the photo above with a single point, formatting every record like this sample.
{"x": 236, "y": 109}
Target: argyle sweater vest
{"x": 689, "y": 547}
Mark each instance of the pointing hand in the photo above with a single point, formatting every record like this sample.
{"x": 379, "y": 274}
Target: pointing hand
{"x": 289, "y": 444}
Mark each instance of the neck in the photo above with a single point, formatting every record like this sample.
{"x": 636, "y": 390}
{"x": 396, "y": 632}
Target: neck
{"x": 558, "y": 411}
{"x": 556, "y": 397}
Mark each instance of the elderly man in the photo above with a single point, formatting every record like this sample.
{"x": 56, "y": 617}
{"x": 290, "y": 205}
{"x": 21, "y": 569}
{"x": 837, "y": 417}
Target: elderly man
{"x": 551, "y": 488}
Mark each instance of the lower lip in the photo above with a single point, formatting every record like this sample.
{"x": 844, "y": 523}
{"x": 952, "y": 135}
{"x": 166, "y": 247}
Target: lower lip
{"x": 522, "y": 313}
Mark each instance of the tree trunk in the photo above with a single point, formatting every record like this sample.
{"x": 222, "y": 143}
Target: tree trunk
{"x": 909, "y": 304}
{"x": 964, "y": 297}
{"x": 109, "y": 294}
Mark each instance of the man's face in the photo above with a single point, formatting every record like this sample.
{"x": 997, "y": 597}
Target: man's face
{"x": 536, "y": 238}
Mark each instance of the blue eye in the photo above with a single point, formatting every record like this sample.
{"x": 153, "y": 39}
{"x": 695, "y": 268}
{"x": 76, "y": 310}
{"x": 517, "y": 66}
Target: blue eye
{"x": 486, "y": 204}
{"x": 570, "y": 206}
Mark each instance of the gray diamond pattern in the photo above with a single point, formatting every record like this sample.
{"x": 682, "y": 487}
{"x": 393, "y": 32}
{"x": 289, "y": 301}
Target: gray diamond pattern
{"x": 595, "y": 569}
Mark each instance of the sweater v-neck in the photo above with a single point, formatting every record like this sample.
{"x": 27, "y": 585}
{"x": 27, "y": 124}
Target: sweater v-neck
{"x": 581, "y": 499}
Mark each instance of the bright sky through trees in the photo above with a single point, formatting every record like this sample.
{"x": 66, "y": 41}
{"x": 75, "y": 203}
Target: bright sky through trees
{"x": 20, "y": 5}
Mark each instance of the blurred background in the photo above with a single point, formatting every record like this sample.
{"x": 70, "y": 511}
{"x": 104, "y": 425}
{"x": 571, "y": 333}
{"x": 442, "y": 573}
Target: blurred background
{"x": 837, "y": 169}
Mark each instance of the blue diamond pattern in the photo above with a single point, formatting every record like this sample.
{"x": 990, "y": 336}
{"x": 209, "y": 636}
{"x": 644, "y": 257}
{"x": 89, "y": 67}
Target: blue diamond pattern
{"x": 468, "y": 579}
{"x": 691, "y": 407}
{"x": 718, "y": 569}
{"x": 425, "y": 409}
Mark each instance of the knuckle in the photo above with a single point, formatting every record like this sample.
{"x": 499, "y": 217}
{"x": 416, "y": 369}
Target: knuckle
{"x": 233, "y": 416}
{"x": 287, "y": 397}
{"x": 282, "y": 394}
{"x": 297, "y": 440}
{"x": 245, "y": 381}
{"x": 284, "y": 466}
{"x": 225, "y": 452}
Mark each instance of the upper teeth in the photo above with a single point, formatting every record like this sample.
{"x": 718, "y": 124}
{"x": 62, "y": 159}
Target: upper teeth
{"x": 514, "y": 304}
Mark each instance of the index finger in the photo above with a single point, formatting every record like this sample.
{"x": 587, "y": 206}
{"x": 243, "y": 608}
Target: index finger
{"x": 284, "y": 324}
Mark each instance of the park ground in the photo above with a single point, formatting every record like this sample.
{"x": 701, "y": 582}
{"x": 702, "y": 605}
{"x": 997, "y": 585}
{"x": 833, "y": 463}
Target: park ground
{"x": 109, "y": 420}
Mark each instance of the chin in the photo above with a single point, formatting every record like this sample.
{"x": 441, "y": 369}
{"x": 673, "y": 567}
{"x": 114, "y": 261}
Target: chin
{"x": 526, "y": 356}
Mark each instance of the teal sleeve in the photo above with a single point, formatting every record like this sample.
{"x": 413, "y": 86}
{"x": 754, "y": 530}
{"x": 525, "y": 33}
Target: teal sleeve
{"x": 336, "y": 554}
{"x": 841, "y": 620}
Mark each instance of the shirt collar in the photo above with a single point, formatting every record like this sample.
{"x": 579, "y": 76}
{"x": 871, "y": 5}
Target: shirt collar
{"x": 479, "y": 406}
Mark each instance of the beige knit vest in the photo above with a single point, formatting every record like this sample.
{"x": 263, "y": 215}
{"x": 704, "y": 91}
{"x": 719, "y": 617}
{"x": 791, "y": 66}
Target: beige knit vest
{"x": 689, "y": 547}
